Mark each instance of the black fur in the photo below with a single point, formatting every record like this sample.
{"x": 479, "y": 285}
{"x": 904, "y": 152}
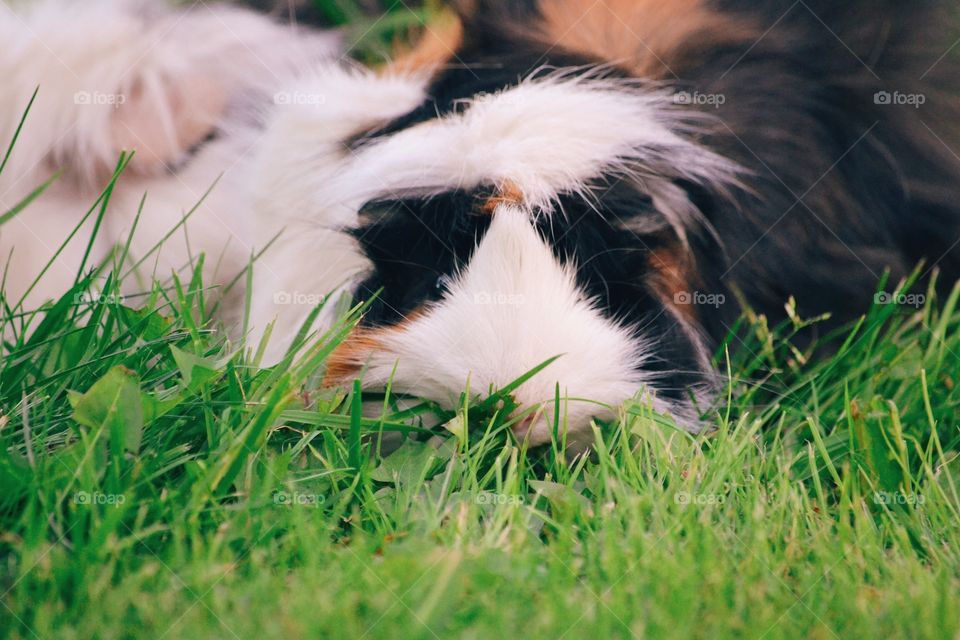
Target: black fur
{"x": 481, "y": 73}
{"x": 840, "y": 189}
{"x": 306, "y": 12}
{"x": 614, "y": 268}
{"x": 845, "y": 188}
{"x": 417, "y": 245}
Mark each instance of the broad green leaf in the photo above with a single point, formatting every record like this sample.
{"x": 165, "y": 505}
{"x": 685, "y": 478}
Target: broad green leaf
{"x": 407, "y": 465}
{"x": 876, "y": 447}
{"x": 116, "y": 403}
{"x": 195, "y": 370}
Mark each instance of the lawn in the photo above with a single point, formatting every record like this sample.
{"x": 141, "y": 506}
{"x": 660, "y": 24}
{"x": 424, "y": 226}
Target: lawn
{"x": 157, "y": 482}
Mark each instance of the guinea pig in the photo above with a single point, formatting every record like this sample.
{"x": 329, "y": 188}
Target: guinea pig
{"x": 608, "y": 182}
{"x": 600, "y": 186}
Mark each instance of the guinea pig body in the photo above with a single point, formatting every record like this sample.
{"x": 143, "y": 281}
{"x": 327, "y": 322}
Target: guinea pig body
{"x": 596, "y": 185}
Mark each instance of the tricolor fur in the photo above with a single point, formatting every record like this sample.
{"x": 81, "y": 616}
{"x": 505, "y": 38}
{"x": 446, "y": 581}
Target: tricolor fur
{"x": 599, "y": 181}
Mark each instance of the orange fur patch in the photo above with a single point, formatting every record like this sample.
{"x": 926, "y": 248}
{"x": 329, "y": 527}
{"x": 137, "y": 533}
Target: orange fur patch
{"x": 672, "y": 280}
{"x": 649, "y": 38}
{"x": 509, "y": 193}
{"x": 347, "y": 360}
{"x": 438, "y": 45}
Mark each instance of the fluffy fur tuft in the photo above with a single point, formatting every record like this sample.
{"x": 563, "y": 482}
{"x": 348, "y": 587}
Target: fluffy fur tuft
{"x": 136, "y": 76}
{"x": 598, "y": 181}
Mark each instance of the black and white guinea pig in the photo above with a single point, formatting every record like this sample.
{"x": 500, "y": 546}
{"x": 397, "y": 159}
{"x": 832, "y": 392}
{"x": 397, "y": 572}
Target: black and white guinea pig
{"x": 603, "y": 181}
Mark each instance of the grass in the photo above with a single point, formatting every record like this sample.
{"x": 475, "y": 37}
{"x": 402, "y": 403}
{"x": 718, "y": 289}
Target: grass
{"x": 373, "y": 28}
{"x": 156, "y": 481}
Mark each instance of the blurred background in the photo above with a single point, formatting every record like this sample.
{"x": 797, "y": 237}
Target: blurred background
{"x": 373, "y": 28}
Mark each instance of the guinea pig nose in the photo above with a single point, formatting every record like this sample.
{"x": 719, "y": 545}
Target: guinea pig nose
{"x": 522, "y": 428}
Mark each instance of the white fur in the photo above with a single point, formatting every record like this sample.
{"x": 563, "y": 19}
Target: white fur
{"x": 300, "y": 161}
{"x": 102, "y": 50}
{"x": 109, "y": 69}
{"x": 547, "y": 137}
{"x": 513, "y": 308}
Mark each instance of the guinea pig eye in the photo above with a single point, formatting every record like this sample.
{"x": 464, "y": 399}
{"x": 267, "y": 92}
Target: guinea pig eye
{"x": 443, "y": 283}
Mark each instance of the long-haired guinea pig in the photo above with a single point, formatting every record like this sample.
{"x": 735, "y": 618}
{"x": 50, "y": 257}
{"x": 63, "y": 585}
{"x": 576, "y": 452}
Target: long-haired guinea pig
{"x": 601, "y": 182}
